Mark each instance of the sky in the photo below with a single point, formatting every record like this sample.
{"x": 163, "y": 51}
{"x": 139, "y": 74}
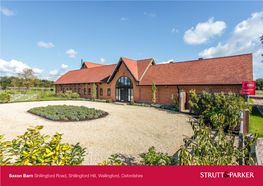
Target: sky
{"x": 51, "y": 37}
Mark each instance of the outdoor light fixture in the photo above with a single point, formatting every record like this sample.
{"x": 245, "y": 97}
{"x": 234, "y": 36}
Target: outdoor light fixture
{"x": 166, "y": 86}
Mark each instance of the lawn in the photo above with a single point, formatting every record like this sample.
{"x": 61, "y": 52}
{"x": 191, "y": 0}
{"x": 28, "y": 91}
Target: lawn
{"x": 259, "y": 93}
{"x": 256, "y": 122}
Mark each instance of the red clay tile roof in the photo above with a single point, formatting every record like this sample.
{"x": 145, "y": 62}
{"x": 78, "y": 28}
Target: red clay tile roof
{"x": 91, "y": 65}
{"x": 142, "y": 66}
{"x": 132, "y": 65}
{"x": 87, "y": 75}
{"x": 222, "y": 70}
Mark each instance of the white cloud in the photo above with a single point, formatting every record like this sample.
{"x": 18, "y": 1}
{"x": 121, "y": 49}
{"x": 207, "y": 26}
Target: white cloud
{"x": 244, "y": 39}
{"x": 150, "y": 15}
{"x": 55, "y": 74}
{"x": 13, "y": 67}
{"x": 64, "y": 66}
{"x": 164, "y": 62}
{"x": 46, "y": 45}
{"x": 6, "y": 12}
{"x": 175, "y": 30}
{"x": 71, "y": 53}
{"x": 102, "y": 60}
{"x": 204, "y": 31}
{"x": 124, "y": 18}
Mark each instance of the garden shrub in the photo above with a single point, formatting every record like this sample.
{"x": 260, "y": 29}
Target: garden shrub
{"x": 68, "y": 94}
{"x": 221, "y": 110}
{"x": 94, "y": 88}
{"x": 176, "y": 101}
{"x": 153, "y": 158}
{"x": 60, "y": 94}
{"x": 132, "y": 102}
{"x": 33, "y": 149}
{"x": 208, "y": 151}
{"x": 4, "y": 97}
{"x": 154, "y": 89}
{"x": 75, "y": 95}
{"x": 112, "y": 160}
{"x": 109, "y": 100}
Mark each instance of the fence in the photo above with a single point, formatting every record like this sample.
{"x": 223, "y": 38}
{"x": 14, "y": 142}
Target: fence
{"x": 244, "y": 131}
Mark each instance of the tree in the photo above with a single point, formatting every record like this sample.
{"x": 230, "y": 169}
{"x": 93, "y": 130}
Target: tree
{"x": 153, "y": 93}
{"x": 94, "y": 91}
{"x": 14, "y": 82}
{"x": 28, "y": 76}
{"x": 259, "y": 84}
{"x": 37, "y": 82}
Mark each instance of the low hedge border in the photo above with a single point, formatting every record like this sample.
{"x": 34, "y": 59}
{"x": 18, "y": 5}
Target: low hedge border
{"x": 167, "y": 107}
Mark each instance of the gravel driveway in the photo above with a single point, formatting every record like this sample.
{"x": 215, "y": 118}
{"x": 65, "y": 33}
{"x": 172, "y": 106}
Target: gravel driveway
{"x": 127, "y": 130}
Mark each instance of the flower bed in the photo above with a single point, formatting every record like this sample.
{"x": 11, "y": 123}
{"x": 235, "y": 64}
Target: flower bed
{"x": 67, "y": 113}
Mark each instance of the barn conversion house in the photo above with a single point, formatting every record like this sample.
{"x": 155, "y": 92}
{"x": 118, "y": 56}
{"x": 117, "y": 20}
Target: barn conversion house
{"x": 131, "y": 80}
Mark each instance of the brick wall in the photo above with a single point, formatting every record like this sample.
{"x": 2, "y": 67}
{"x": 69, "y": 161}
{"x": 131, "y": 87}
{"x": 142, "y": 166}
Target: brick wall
{"x": 143, "y": 94}
{"x": 163, "y": 94}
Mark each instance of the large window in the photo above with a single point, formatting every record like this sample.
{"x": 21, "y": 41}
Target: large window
{"x": 89, "y": 91}
{"x": 79, "y": 91}
{"x": 84, "y": 91}
{"x": 101, "y": 91}
{"x": 63, "y": 90}
{"x": 108, "y": 91}
{"x": 75, "y": 89}
{"x": 124, "y": 89}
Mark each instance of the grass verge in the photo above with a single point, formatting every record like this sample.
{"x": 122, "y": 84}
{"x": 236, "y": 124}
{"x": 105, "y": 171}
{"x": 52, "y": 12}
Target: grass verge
{"x": 256, "y": 122}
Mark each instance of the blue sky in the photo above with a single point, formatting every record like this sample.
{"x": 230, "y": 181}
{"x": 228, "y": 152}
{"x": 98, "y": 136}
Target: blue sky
{"x": 53, "y": 37}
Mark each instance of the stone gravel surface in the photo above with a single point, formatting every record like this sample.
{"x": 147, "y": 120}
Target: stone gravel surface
{"x": 127, "y": 130}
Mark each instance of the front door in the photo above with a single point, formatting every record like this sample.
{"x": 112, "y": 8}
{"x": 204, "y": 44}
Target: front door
{"x": 124, "y": 94}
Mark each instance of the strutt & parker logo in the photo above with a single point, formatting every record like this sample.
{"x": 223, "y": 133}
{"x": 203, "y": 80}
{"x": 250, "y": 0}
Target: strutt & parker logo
{"x": 226, "y": 174}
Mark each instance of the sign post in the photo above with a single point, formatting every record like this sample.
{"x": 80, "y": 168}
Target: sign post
{"x": 248, "y": 88}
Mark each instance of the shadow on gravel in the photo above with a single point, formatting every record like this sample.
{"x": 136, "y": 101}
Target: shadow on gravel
{"x": 127, "y": 160}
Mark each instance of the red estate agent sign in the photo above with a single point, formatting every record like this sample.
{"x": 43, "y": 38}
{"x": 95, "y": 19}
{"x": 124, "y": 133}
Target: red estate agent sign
{"x": 248, "y": 88}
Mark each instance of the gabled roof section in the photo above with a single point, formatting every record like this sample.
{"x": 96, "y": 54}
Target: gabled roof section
{"x": 136, "y": 68}
{"x": 98, "y": 74}
{"x": 132, "y": 66}
{"x": 213, "y": 71}
{"x": 91, "y": 65}
{"x": 143, "y": 66}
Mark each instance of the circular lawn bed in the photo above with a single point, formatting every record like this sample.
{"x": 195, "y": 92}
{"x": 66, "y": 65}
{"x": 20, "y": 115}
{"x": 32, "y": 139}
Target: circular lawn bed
{"x": 67, "y": 113}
